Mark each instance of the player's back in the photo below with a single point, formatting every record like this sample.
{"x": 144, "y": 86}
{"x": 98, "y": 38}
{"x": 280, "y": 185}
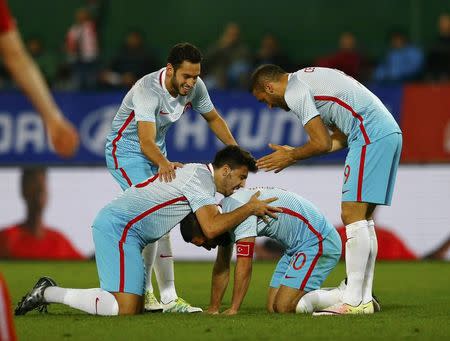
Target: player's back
{"x": 153, "y": 207}
{"x": 300, "y": 223}
{"x": 345, "y": 103}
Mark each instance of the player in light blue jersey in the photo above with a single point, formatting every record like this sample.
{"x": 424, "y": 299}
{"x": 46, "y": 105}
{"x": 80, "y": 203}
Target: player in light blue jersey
{"x": 325, "y": 99}
{"x": 312, "y": 244}
{"x": 144, "y": 213}
{"x": 136, "y": 147}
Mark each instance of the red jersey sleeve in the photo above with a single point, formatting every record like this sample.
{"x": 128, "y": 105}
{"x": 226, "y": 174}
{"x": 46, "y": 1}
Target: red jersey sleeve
{"x": 7, "y": 22}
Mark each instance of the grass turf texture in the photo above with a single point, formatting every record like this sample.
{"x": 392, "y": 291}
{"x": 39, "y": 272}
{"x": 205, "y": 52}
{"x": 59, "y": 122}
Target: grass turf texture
{"x": 414, "y": 296}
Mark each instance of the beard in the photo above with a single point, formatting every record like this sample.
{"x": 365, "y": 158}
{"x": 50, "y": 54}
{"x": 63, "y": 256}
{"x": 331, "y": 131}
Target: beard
{"x": 280, "y": 102}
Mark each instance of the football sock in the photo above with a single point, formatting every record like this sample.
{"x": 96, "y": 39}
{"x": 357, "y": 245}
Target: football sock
{"x": 149, "y": 254}
{"x": 357, "y": 249}
{"x": 92, "y": 301}
{"x": 318, "y": 300}
{"x": 164, "y": 270}
{"x": 370, "y": 268}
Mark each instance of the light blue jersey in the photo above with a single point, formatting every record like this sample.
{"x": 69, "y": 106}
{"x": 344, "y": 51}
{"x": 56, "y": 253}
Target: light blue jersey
{"x": 149, "y": 210}
{"x": 299, "y": 226}
{"x": 149, "y": 101}
{"x": 340, "y": 101}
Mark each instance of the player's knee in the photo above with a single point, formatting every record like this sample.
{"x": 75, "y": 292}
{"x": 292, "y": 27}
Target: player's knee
{"x": 283, "y": 307}
{"x": 270, "y": 307}
{"x": 127, "y": 309}
{"x": 129, "y": 304}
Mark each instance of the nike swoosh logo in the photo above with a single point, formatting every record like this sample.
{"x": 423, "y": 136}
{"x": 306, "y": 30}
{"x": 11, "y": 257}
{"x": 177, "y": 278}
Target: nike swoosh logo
{"x": 164, "y": 113}
{"x": 289, "y": 277}
{"x": 165, "y": 256}
{"x": 345, "y": 191}
{"x": 96, "y": 303}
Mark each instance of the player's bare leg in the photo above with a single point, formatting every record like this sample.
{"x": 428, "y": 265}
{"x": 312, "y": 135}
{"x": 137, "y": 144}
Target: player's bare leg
{"x": 286, "y": 299}
{"x": 272, "y": 293}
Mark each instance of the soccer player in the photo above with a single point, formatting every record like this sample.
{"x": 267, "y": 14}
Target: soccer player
{"x": 27, "y": 75}
{"x": 325, "y": 99}
{"x": 136, "y": 148}
{"x": 142, "y": 214}
{"x": 313, "y": 248}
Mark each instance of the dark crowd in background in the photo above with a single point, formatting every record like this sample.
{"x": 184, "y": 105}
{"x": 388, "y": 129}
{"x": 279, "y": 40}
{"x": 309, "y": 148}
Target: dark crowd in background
{"x": 228, "y": 61}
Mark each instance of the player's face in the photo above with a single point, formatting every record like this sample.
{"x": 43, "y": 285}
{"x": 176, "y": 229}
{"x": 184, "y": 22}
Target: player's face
{"x": 232, "y": 179}
{"x": 202, "y": 241}
{"x": 273, "y": 100}
{"x": 184, "y": 78}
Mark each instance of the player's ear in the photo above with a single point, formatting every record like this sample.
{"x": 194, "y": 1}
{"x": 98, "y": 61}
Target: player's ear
{"x": 226, "y": 169}
{"x": 268, "y": 87}
{"x": 169, "y": 70}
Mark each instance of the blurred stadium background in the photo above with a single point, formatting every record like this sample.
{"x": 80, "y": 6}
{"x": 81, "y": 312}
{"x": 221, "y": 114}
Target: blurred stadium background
{"x": 399, "y": 49}
{"x": 297, "y": 34}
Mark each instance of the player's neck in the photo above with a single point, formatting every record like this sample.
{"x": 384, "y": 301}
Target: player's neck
{"x": 33, "y": 222}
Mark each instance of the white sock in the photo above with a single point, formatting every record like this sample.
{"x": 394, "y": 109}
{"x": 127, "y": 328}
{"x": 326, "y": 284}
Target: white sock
{"x": 149, "y": 254}
{"x": 92, "y": 301}
{"x": 318, "y": 300}
{"x": 164, "y": 270}
{"x": 357, "y": 249}
{"x": 370, "y": 268}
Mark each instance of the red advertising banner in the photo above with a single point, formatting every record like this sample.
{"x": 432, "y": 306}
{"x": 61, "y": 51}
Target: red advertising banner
{"x": 425, "y": 122}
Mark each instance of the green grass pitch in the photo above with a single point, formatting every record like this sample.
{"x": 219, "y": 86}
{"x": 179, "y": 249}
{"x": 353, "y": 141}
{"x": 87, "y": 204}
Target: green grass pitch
{"x": 415, "y": 299}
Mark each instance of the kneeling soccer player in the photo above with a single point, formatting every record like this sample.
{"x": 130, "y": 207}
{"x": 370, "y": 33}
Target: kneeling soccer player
{"x": 142, "y": 214}
{"x": 313, "y": 247}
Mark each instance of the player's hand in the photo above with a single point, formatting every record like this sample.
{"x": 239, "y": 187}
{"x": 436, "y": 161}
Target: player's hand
{"x": 167, "y": 170}
{"x": 63, "y": 137}
{"x": 261, "y": 208}
{"x": 282, "y": 157}
{"x": 229, "y": 312}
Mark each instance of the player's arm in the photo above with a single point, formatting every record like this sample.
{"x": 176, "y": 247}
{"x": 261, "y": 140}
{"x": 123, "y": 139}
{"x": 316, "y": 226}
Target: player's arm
{"x": 219, "y": 127}
{"x": 147, "y": 137}
{"x": 27, "y": 75}
{"x": 220, "y": 278}
{"x": 242, "y": 273}
{"x": 283, "y": 156}
{"x": 338, "y": 140}
{"x": 214, "y": 223}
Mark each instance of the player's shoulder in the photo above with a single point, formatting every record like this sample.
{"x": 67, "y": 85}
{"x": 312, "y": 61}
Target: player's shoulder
{"x": 197, "y": 169}
{"x": 151, "y": 81}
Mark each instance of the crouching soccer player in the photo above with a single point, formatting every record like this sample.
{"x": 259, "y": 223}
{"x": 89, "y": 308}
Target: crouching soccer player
{"x": 313, "y": 248}
{"x": 142, "y": 214}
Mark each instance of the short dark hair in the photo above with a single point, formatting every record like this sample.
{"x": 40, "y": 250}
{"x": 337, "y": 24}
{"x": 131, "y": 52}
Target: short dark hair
{"x": 184, "y": 52}
{"x": 190, "y": 226}
{"x": 265, "y": 72}
{"x": 235, "y": 157}
{"x": 29, "y": 174}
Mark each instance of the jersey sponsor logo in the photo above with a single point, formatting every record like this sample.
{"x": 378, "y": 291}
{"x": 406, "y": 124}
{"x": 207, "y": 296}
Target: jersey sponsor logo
{"x": 95, "y": 127}
{"x": 164, "y": 113}
{"x": 309, "y": 69}
{"x": 289, "y": 277}
{"x": 343, "y": 192}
